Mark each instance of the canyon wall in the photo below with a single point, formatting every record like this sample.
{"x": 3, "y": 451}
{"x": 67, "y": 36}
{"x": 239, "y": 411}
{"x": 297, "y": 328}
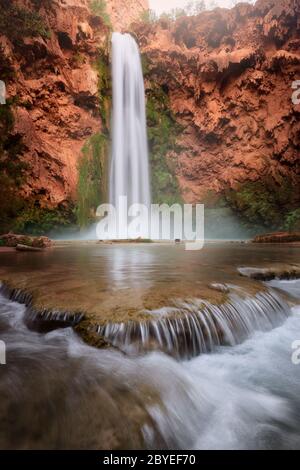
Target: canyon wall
{"x": 222, "y": 124}
{"x": 124, "y": 13}
{"x": 54, "y": 60}
{"x": 227, "y": 75}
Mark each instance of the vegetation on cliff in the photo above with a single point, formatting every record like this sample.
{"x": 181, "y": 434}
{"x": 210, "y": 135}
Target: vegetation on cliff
{"x": 12, "y": 168}
{"x": 162, "y": 133}
{"x": 239, "y": 128}
{"x": 99, "y": 8}
{"x": 93, "y": 165}
{"x": 17, "y": 213}
{"x": 91, "y": 188}
{"x": 266, "y": 203}
{"x": 102, "y": 65}
{"x": 17, "y": 23}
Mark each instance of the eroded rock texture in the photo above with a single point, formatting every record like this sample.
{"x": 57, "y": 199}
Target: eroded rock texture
{"x": 228, "y": 75}
{"x": 49, "y": 51}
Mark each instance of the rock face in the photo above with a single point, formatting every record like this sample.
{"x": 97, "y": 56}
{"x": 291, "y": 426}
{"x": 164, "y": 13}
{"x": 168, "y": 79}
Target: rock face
{"x": 228, "y": 75}
{"x": 54, "y": 83}
{"x": 123, "y": 13}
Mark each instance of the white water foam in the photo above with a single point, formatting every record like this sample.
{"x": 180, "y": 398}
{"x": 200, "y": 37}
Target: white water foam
{"x": 64, "y": 393}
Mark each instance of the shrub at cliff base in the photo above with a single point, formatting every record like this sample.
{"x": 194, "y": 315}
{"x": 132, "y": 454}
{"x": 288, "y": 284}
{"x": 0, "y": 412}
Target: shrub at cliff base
{"x": 267, "y": 203}
{"x": 35, "y": 220}
{"x": 92, "y": 180}
{"x": 12, "y": 168}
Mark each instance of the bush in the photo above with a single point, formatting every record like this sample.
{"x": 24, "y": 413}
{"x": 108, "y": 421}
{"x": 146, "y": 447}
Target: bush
{"x": 91, "y": 186}
{"x": 149, "y": 16}
{"x": 98, "y": 7}
{"x": 17, "y": 23}
{"x": 12, "y": 168}
{"x": 104, "y": 87}
{"x": 292, "y": 221}
{"x": 42, "y": 221}
{"x": 266, "y": 203}
{"x": 162, "y": 133}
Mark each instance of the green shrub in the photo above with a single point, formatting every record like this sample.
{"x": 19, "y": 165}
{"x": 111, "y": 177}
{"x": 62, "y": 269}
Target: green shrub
{"x": 148, "y": 16}
{"x": 43, "y": 221}
{"x": 292, "y": 220}
{"x": 92, "y": 178}
{"x": 162, "y": 133}
{"x": 17, "y": 23}
{"x": 104, "y": 87}
{"x": 12, "y": 168}
{"x": 266, "y": 203}
{"x": 99, "y": 8}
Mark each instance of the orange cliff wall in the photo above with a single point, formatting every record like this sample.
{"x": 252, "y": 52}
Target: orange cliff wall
{"x": 228, "y": 75}
{"x": 125, "y": 12}
{"x": 56, "y": 85}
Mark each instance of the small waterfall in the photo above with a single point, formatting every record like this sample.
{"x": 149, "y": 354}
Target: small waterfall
{"x": 129, "y": 173}
{"x": 43, "y": 315}
{"x": 196, "y": 326}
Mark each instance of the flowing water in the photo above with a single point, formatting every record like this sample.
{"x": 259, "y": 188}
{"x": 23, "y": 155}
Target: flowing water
{"x": 57, "y": 392}
{"x": 196, "y": 326}
{"x": 129, "y": 174}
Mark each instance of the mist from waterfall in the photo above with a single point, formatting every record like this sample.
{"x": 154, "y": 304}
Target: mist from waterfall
{"x": 129, "y": 172}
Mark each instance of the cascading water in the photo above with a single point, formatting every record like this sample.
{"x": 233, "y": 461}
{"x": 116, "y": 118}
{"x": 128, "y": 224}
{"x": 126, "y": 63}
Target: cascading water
{"x": 129, "y": 173}
{"x": 59, "y": 393}
{"x": 196, "y": 326}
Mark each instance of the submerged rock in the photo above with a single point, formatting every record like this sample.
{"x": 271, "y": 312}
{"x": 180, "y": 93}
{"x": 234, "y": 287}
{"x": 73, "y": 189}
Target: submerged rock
{"x": 276, "y": 271}
{"x": 143, "y": 298}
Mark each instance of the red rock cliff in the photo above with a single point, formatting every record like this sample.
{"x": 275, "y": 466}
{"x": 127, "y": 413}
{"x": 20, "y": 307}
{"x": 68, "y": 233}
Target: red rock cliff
{"x": 228, "y": 75}
{"x": 53, "y": 82}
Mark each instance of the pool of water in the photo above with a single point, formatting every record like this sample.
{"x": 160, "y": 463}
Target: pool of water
{"x": 58, "y": 392}
{"x": 111, "y": 280}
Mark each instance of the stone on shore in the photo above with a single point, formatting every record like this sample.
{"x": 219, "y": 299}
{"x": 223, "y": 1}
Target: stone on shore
{"x": 12, "y": 240}
{"x": 28, "y": 248}
{"x": 277, "y": 237}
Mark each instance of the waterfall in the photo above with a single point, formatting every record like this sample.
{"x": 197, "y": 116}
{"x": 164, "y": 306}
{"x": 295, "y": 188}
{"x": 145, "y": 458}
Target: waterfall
{"x": 196, "y": 326}
{"x": 129, "y": 173}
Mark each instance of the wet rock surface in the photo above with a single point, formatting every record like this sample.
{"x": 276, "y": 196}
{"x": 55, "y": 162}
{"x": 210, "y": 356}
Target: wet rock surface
{"x": 277, "y": 237}
{"x": 27, "y": 241}
{"x": 272, "y": 271}
{"x": 104, "y": 291}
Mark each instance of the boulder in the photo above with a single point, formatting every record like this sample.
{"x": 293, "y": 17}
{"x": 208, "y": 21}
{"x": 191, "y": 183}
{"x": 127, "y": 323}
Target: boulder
{"x": 12, "y": 240}
{"x": 277, "y": 237}
{"x": 27, "y": 248}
